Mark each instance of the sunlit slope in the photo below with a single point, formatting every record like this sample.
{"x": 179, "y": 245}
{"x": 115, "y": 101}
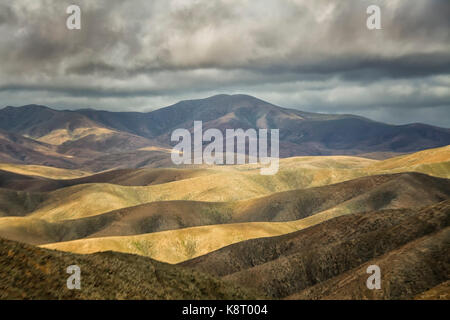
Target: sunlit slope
{"x": 174, "y": 246}
{"x": 43, "y": 171}
{"x": 178, "y": 245}
{"x": 30, "y": 230}
{"x": 435, "y": 162}
{"x": 92, "y": 199}
{"x": 221, "y": 184}
{"x": 403, "y": 190}
{"x": 151, "y": 217}
{"x": 224, "y": 183}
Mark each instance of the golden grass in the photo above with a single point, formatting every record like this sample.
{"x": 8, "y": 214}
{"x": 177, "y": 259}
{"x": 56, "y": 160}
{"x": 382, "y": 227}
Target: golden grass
{"x": 96, "y": 198}
{"x": 59, "y": 136}
{"x": 153, "y": 148}
{"x": 175, "y": 246}
{"x": 233, "y": 183}
{"x": 225, "y": 183}
{"x": 435, "y": 162}
{"x": 43, "y": 171}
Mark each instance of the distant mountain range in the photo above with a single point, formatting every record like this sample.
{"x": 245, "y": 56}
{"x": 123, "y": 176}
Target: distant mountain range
{"x": 99, "y": 140}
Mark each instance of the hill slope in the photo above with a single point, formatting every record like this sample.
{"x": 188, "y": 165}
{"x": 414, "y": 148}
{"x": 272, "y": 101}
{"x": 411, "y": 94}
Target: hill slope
{"x": 123, "y": 177}
{"x": 282, "y": 266}
{"x": 178, "y": 245}
{"x": 27, "y": 272}
{"x": 407, "y": 271}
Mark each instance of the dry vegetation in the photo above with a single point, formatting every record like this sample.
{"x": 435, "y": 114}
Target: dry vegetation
{"x": 176, "y": 215}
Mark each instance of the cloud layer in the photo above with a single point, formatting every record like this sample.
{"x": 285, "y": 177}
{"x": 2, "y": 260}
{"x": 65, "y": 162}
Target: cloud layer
{"x": 312, "y": 55}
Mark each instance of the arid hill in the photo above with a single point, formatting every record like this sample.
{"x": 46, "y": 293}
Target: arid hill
{"x": 405, "y": 190}
{"x": 122, "y": 177}
{"x": 329, "y": 259}
{"x": 28, "y": 272}
{"x": 176, "y": 245}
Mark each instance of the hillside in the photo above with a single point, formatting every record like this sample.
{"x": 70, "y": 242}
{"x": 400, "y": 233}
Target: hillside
{"x": 220, "y": 183}
{"x": 363, "y": 194}
{"x": 18, "y": 149}
{"x": 407, "y": 271}
{"x": 36, "y": 177}
{"x": 181, "y": 244}
{"x": 435, "y": 162}
{"x": 42, "y": 171}
{"x": 108, "y": 275}
{"x": 283, "y": 266}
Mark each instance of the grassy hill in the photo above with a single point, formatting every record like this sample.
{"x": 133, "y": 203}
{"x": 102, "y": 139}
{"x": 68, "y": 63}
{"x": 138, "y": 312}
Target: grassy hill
{"x": 36, "y": 181}
{"x": 87, "y": 197}
{"x": 42, "y": 171}
{"x": 28, "y": 272}
{"x": 18, "y": 203}
{"x": 331, "y": 257}
{"x": 403, "y": 190}
{"x": 435, "y": 162}
{"x": 178, "y": 245}
{"x": 407, "y": 272}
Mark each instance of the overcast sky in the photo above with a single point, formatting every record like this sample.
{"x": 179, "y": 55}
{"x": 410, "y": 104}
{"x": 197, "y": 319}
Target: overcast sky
{"x": 311, "y": 55}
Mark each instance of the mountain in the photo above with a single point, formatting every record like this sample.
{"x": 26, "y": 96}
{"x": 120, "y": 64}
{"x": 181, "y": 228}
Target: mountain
{"x": 108, "y": 275}
{"x": 329, "y": 260}
{"x": 101, "y": 140}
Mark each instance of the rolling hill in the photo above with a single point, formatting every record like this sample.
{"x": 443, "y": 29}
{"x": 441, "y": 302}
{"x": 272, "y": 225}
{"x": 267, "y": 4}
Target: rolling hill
{"x": 178, "y": 245}
{"x": 107, "y": 275}
{"x": 329, "y": 259}
{"x": 112, "y": 190}
{"x": 407, "y": 271}
{"x": 362, "y": 194}
{"x": 123, "y": 177}
{"x": 43, "y": 171}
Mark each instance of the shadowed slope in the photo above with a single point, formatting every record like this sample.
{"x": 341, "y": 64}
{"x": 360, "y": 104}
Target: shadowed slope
{"x": 440, "y": 292}
{"x": 27, "y": 272}
{"x": 122, "y": 177}
{"x": 405, "y": 272}
{"x": 19, "y": 203}
{"x": 282, "y": 266}
{"x": 178, "y": 245}
{"x": 363, "y": 194}
{"x": 17, "y": 149}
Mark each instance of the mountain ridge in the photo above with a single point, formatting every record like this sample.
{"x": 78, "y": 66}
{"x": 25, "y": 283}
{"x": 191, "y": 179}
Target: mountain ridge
{"x": 90, "y": 136}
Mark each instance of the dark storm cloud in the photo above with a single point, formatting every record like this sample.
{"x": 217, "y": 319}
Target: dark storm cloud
{"x": 314, "y": 55}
